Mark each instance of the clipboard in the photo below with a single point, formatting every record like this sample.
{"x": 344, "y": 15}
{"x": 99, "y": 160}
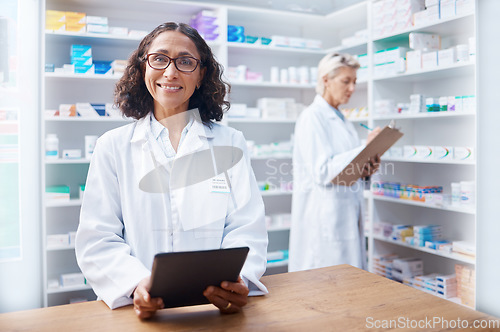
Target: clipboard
{"x": 379, "y": 145}
{"x": 180, "y": 278}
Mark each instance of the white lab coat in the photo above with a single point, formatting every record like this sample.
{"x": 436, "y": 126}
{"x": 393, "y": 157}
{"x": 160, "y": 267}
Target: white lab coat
{"x": 326, "y": 219}
{"x": 122, "y": 227}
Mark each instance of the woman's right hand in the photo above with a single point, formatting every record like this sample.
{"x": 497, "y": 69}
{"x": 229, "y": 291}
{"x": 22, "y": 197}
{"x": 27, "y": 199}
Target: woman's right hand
{"x": 372, "y": 134}
{"x": 145, "y": 307}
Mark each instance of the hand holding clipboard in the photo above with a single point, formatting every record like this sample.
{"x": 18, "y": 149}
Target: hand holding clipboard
{"x": 379, "y": 145}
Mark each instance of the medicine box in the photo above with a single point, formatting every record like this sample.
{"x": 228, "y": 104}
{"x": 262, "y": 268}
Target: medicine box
{"x": 100, "y": 109}
{"x": 442, "y": 152}
{"x": 57, "y": 240}
{"x": 429, "y": 60}
{"x": 424, "y": 41}
{"x": 97, "y": 28}
{"x": 72, "y": 279}
{"x": 80, "y": 50}
{"x": 72, "y": 154}
{"x": 447, "y": 9}
{"x": 85, "y": 69}
{"x": 119, "y": 31}
{"x": 81, "y": 60}
{"x": 462, "y": 153}
{"x": 103, "y": 67}
{"x": 101, "y": 20}
{"x": 413, "y": 60}
{"x": 55, "y": 20}
{"x": 57, "y": 193}
{"x": 76, "y": 18}
{"x": 86, "y": 110}
{"x": 447, "y": 57}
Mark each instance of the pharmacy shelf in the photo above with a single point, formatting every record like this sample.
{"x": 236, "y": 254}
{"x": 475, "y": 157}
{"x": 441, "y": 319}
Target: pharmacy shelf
{"x": 71, "y": 202}
{"x": 422, "y": 115}
{"x": 362, "y": 119}
{"x": 260, "y": 49}
{"x": 454, "y": 256}
{"x": 425, "y": 205}
{"x": 59, "y": 248}
{"x": 277, "y": 263}
{"x": 278, "y": 229}
{"x": 91, "y": 35}
{"x": 54, "y": 75}
{"x": 259, "y": 120}
{"x": 358, "y": 48}
{"x": 273, "y": 85}
{"x": 267, "y": 193}
{"x": 272, "y": 157}
{"x": 103, "y": 36}
{"x": 453, "y": 25}
{"x": 66, "y": 161}
{"x": 67, "y": 289}
{"x": 87, "y": 119}
{"x": 440, "y": 72}
{"x": 430, "y": 161}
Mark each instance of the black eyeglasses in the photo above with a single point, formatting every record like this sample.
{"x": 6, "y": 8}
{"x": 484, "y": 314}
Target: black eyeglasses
{"x": 160, "y": 61}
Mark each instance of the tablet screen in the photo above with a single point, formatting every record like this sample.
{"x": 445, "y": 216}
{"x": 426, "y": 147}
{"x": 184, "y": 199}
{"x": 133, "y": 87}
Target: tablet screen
{"x": 180, "y": 278}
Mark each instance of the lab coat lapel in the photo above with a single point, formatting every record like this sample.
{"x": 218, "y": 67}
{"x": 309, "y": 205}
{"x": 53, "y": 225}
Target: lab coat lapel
{"x": 195, "y": 140}
{"x": 147, "y": 157}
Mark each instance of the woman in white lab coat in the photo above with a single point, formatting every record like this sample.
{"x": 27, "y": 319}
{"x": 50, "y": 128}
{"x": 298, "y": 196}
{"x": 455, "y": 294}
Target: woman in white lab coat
{"x": 327, "y": 227}
{"x": 173, "y": 180}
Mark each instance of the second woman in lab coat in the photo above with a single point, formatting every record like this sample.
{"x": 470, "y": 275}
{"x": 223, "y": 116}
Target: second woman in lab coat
{"x": 173, "y": 180}
{"x": 327, "y": 225}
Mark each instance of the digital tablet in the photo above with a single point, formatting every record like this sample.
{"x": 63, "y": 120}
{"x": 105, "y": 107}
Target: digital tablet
{"x": 180, "y": 278}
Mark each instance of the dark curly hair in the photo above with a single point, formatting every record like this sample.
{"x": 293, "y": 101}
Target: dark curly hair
{"x": 134, "y": 99}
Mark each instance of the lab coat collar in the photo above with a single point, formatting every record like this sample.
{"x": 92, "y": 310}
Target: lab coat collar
{"x": 143, "y": 127}
{"x": 326, "y": 108}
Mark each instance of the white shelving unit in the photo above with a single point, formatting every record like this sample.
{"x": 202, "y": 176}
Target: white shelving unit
{"x": 434, "y": 128}
{"x": 445, "y": 128}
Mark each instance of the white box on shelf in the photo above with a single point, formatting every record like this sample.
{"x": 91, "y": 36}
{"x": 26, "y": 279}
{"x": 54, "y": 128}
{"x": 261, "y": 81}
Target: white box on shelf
{"x": 72, "y": 279}
{"x": 463, "y": 153}
{"x": 447, "y": 9}
{"x": 237, "y": 110}
{"x": 414, "y": 60}
{"x": 57, "y": 240}
{"x": 447, "y": 57}
{"x": 424, "y": 41}
{"x": 72, "y": 154}
{"x": 430, "y": 60}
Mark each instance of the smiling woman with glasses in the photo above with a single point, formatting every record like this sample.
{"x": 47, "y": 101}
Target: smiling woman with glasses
{"x": 132, "y": 210}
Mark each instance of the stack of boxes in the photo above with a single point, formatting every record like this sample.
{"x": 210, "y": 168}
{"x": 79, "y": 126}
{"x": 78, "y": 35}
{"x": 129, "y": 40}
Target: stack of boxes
{"x": 382, "y": 265}
{"x": 97, "y": 24}
{"x": 236, "y": 33}
{"x": 389, "y": 61}
{"x": 75, "y": 22}
{"x": 406, "y": 268}
{"x": 436, "y": 10}
{"x": 391, "y": 16}
{"x": 466, "y": 283}
{"x": 446, "y": 286}
{"x": 206, "y": 24}
{"x": 81, "y": 59}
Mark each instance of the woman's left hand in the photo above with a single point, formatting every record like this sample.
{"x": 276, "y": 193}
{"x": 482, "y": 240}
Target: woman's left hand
{"x": 230, "y": 297}
{"x": 371, "y": 166}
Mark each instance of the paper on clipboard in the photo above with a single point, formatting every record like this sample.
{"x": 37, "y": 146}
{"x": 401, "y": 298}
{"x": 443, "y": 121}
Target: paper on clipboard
{"x": 379, "y": 145}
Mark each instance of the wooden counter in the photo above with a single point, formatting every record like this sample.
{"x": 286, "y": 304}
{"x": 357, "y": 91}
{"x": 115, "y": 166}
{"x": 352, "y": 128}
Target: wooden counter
{"x": 340, "y": 298}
